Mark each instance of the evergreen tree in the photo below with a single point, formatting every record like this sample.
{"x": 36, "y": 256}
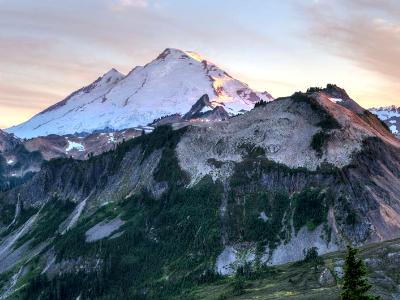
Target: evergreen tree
{"x": 355, "y": 286}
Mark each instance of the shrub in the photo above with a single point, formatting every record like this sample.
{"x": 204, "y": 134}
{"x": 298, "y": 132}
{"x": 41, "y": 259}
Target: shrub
{"x": 312, "y": 256}
{"x": 310, "y": 208}
{"x": 318, "y": 142}
{"x": 260, "y": 103}
{"x": 328, "y": 121}
{"x": 314, "y": 89}
{"x": 216, "y": 163}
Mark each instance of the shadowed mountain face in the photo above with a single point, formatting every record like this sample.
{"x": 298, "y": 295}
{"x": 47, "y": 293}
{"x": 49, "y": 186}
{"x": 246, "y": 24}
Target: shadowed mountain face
{"x": 167, "y": 210}
{"x": 17, "y": 164}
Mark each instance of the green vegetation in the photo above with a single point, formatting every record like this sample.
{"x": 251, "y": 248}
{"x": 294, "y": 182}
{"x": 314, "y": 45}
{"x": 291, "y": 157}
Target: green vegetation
{"x": 168, "y": 169}
{"x": 50, "y": 217}
{"x": 215, "y": 163}
{"x": 310, "y": 208}
{"x": 165, "y": 245}
{"x": 162, "y": 136}
{"x": 312, "y": 256}
{"x": 245, "y": 223}
{"x": 355, "y": 285}
{"x": 301, "y": 280}
{"x": 250, "y": 171}
{"x": 327, "y": 120}
{"x": 7, "y": 212}
{"x": 260, "y": 103}
{"x": 314, "y": 90}
{"x": 252, "y": 151}
{"x": 24, "y": 215}
{"x": 372, "y": 119}
{"x": 384, "y": 125}
{"x": 318, "y": 141}
{"x": 24, "y": 158}
{"x": 290, "y": 281}
{"x": 250, "y": 196}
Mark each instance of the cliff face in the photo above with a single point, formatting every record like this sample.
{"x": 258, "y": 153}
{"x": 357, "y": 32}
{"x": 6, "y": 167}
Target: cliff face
{"x": 330, "y": 157}
{"x": 262, "y": 187}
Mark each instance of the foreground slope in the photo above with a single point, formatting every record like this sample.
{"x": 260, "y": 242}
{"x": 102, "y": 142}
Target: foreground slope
{"x": 168, "y": 85}
{"x": 169, "y": 210}
{"x": 320, "y": 279}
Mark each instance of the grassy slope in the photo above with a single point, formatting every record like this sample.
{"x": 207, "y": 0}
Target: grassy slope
{"x": 301, "y": 280}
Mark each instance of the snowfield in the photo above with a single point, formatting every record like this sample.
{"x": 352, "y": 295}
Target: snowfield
{"x": 74, "y": 145}
{"x": 168, "y": 85}
{"x": 390, "y": 115}
{"x": 336, "y": 100}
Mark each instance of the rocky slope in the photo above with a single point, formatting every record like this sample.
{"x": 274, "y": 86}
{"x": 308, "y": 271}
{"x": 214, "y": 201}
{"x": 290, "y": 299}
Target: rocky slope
{"x": 390, "y": 115}
{"x": 172, "y": 209}
{"x": 168, "y": 85}
{"x": 79, "y": 146}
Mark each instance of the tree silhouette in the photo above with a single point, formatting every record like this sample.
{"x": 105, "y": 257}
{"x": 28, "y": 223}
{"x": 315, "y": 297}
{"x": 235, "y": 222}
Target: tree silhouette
{"x": 355, "y": 286}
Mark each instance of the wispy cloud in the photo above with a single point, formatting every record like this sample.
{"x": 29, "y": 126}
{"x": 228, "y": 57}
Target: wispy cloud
{"x": 119, "y": 5}
{"x": 364, "y": 31}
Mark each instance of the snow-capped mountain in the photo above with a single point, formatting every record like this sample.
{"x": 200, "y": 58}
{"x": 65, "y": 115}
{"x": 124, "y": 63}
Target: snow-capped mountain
{"x": 170, "y": 84}
{"x": 391, "y": 116}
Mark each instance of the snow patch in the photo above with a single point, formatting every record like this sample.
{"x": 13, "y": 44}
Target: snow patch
{"x": 10, "y": 162}
{"x": 74, "y": 145}
{"x": 336, "y": 100}
{"x": 393, "y": 129}
{"x": 205, "y": 109}
{"x": 111, "y": 138}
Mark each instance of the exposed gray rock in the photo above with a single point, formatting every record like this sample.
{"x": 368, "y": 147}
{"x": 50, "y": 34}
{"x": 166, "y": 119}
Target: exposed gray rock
{"x": 294, "y": 250}
{"x": 103, "y": 229}
{"x": 326, "y": 278}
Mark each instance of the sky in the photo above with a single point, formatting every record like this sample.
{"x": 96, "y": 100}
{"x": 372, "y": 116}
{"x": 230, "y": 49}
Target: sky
{"x": 49, "y": 48}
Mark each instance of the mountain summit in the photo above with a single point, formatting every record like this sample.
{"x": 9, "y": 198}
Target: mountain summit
{"x": 170, "y": 84}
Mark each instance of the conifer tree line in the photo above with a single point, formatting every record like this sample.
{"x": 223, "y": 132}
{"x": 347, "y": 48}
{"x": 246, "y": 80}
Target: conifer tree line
{"x": 355, "y": 285}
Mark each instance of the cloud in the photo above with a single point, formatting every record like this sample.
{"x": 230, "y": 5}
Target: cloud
{"x": 366, "y": 32}
{"x": 52, "y": 48}
{"x": 124, "y": 4}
